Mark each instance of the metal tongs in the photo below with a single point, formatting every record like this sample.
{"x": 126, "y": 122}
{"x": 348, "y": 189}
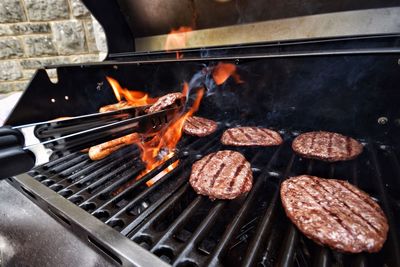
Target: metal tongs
{"x": 25, "y": 147}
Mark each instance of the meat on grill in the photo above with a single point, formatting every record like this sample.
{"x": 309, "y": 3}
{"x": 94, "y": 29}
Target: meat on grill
{"x": 167, "y": 101}
{"x": 117, "y": 106}
{"x": 251, "y": 136}
{"x": 103, "y": 150}
{"x": 326, "y": 146}
{"x": 334, "y": 213}
{"x": 224, "y": 174}
{"x": 199, "y": 126}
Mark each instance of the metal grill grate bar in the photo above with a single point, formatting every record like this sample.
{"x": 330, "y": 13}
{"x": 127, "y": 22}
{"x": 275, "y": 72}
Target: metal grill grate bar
{"x": 136, "y": 184}
{"x": 110, "y": 175}
{"x": 392, "y": 236}
{"x": 58, "y": 161}
{"x": 97, "y": 167}
{"x": 178, "y": 223}
{"x": 145, "y": 193}
{"x": 265, "y": 223}
{"x": 164, "y": 209}
{"x": 233, "y": 227}
{"x": 288, "y": 253}
{"x": 200, "y": 232}
{"x": 138, "y": 211}
{"x": 69, "y": 163}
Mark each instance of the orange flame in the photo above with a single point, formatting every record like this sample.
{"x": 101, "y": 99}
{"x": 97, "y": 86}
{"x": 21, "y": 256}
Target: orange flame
{"x": 161, "y": 146}
{"x": 134, "y": 98}
{"x": 149, "y": 183}
{"x": 223, "y": 71}
{"x": 177, "y": 39}
{"x": 166, "y": 140}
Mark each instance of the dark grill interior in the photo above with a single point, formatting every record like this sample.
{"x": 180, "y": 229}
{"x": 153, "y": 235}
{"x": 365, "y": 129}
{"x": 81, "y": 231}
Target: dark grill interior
{"x": 185, "y": 229}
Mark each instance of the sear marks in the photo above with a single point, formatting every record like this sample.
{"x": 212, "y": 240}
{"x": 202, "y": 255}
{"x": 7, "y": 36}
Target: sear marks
{"x": 199, "y": 126}
{"x": 326, "y": 146}
{"x": 251, "y": 136}
{"x": 334, "y": 213}
{"x": 224, "y": 174}
{"x": 165, "y": 102}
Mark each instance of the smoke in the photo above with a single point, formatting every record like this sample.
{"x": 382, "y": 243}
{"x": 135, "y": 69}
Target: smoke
{"x": 213, "y": 78}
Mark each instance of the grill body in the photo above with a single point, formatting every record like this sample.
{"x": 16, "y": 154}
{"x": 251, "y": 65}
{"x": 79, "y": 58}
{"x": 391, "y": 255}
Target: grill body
{"x": 354, "y": 92}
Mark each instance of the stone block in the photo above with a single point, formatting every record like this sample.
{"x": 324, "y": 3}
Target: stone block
{"x": 85, "y": 58}
{"x": 20, "y": 85}
{"x": 10, "y": 70}
{"x": 37, "y": 63}
{"x": 90, "y": 37}
{"x": 5, "y": 30}
{"x": 52, "y": 73}
{"x": 11, "y": 11}
{"x": 39, "y": 46}
{"x": 69, "y": 37}
{"x": 6, "y": 88}
{"x": 45, "y": 10}
{"x": 9, "y": 87}
{"x": 29, "y": 28}
{"x": 10, "y": 47}
{"x": 100, "y": 36}
{"x": 27, "y": 74}
{"x": 79, "y": 9}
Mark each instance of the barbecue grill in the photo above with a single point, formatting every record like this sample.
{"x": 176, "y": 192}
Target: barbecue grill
{"x": 347, "y": 84}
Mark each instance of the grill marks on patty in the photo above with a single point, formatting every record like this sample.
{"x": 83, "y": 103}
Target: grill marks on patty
{"x": 251, "y": 136}
{"x": 334, "y": 213}
{"x": 199, "y": 126}
{"x": 165, "y": 102}
{"x": 224, "y": 174}
{"x": 326, "y": 146}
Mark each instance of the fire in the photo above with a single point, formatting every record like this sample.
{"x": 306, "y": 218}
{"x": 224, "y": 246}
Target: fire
{"x": 223, "y": 71}
{"x": 134, "y": 98}
{"x": 161, "y": 146}
{"x": 177, "y": 39}
{"x": 154, "y": 150}
{"x": 161, "y": 174}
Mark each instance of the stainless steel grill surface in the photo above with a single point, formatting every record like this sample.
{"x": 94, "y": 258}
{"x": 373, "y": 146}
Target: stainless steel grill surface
{"x": 184, "y": 229}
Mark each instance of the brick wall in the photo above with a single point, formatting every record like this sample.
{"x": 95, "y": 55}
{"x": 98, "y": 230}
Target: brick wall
{"x": 35, "y": 33}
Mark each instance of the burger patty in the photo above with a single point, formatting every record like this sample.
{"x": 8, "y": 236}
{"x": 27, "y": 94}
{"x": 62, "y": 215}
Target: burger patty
{"x": 224, "y": 174}
{"x": 167, "y": 101}
{"x": 251, "y": 136}
{"x": 326, "y": 146}
{"x": 199, "y": 126}
{"x": 334, "y": 213}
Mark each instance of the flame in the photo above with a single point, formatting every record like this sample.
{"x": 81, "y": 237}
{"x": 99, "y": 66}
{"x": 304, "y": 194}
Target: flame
{"x": 153, "y": 151}
{"x": 152, "y": 181}
{"x": 160, "y": 147}
{"x": 223, "y": 71}
{"x": 134, "y": 98}
{"x": 177, "y": 39}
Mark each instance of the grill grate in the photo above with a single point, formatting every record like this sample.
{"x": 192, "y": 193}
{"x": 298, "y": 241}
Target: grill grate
{"x": 185, "y": 229}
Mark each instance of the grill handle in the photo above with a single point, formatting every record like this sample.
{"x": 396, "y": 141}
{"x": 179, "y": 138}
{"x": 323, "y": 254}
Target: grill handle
{"x": 13, "y": 158}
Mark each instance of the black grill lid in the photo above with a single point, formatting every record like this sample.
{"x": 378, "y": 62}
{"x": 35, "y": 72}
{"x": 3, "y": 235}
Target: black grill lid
{"x": 125, "y": 20}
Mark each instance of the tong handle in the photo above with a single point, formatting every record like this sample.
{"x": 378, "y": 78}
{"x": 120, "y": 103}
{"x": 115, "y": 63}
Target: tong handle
{"x": 13, "y": 158}
{"x": 10, "y": 137}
